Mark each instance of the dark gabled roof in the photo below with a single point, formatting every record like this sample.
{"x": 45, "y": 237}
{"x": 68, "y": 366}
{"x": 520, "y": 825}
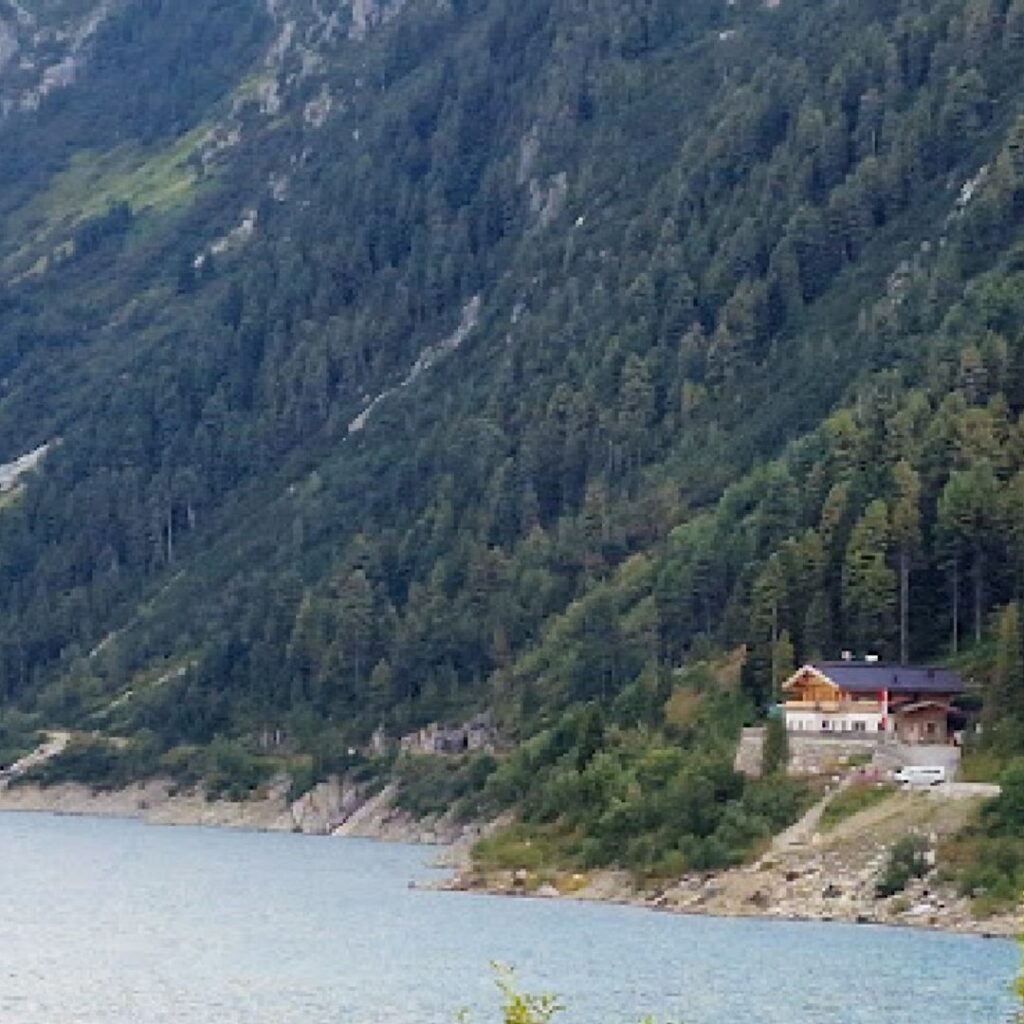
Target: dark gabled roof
{"x": 919, "y": 705}
{"x": 872, "y": 676}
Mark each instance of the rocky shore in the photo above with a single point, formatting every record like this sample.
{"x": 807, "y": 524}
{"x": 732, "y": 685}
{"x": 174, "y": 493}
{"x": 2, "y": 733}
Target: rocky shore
{"x": 805, "y": 875}
{"x": 334, "y": 807}
{"x": 330, "y": 808}
{"x": 745, "y": 892}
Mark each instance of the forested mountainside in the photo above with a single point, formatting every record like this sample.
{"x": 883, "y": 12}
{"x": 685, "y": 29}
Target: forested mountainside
{"x": 398, "y": 361}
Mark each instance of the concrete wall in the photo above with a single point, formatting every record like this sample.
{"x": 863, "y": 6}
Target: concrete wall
{"x": 828, "y": 755}
{"x": 809, "y": 754}
{"x": 890, "y": 756}
{"x": 749, "y": 753}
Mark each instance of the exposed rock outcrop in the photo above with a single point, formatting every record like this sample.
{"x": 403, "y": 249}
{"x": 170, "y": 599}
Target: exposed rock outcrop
{"x": 51, "y": 53}
{"x": 11, "y": 473}
{"x": 368, "y": 14}
{"x": 426, "y": 359}
{"x": 320, "y": 810}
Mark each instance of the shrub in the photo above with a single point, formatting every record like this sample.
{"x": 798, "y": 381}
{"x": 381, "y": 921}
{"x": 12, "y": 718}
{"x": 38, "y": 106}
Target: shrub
{"x": 986, "y": 859}
{"x": 99, "y": 763}
{"x": 518, "y": 1007}
{"x": 430, "y": 785}
{"x": 303, "y": 779}
{"x": 18, "y": 736}
{"x": 906, "y": 861}
{"x": 775, "y": 755}
{"x": 526, "y": 846}
{"x": 1004, "y": 815}
{"x": 231, "y": 771}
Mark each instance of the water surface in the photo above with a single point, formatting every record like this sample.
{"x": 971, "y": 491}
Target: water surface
{"x": 115, "y": 922}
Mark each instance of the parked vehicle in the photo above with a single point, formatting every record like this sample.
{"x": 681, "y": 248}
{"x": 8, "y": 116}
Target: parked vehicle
{"x": 920, "y": 775}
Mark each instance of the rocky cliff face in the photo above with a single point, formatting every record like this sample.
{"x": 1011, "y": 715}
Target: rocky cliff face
{"x": 293, "y": 81}
{"x": 43, "y": 48}
{"x": 367, "y": 14}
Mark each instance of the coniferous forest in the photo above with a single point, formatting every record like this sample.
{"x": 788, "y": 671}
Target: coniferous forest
{"x": 537, "y": 357}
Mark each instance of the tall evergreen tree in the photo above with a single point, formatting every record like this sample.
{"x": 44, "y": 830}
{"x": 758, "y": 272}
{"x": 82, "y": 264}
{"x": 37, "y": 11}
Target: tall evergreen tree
{"x": 869, "y": 585}
{"x": 906, "y": 535}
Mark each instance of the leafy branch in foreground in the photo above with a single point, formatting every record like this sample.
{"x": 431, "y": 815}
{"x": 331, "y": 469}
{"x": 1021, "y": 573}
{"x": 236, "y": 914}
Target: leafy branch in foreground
{"x": 522, "y": 1008}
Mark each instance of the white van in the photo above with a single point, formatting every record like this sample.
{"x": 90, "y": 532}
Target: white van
{"x": 920, "y": 775}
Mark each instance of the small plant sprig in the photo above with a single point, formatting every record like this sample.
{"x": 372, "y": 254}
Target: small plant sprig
{"x": 520, "y": 1007}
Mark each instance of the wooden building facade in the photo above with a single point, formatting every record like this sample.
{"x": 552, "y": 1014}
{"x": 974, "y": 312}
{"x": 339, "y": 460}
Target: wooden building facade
{"x": 868, "y": 698}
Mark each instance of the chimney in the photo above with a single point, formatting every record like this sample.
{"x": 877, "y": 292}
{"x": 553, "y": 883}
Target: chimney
{"x": 847, "y": 655}
{"x": 871, "y": 659}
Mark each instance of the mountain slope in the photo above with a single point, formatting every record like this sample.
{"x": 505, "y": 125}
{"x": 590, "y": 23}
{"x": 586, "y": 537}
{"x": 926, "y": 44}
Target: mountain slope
{"x": 400, "y": 361}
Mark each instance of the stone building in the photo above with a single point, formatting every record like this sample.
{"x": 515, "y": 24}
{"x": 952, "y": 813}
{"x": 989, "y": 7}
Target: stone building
{"x": 478, "y": 734}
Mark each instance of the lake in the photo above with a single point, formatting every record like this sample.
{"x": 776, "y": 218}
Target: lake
{"x": 116, "y": 922}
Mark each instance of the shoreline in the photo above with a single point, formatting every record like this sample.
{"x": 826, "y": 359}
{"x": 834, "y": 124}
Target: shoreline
{"x": 776, "y": 888}
{"x": 1001, "y": 928}
{"x": 329, "y": 809}
{"x": 74, "y": 800}
{"x": 805, "y": 873}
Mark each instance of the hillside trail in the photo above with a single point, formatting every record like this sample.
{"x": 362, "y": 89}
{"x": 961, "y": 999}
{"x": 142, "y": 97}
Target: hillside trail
{"x": 54, "y": 744}
{"x": 802, "y": 831}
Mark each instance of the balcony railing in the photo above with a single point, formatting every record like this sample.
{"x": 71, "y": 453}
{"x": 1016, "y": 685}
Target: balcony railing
{"x": 867, "y": 707}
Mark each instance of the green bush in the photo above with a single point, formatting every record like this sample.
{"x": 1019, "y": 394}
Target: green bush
{"x": 981, "y": 765}
{"x": 519, "y": 1007}
{"x": 529, "y": 847}
{"x": 231, "y": 771}
{"x": 94, "y": 762}
{"x": 639, "y": 799}
{"x": 775, "y": 756}
{"x": 19, "y": 735}
{"x": 1004, "y": 815}
{"x": 303, "y": 779}
{"x": 432, "y": 785}
{"x": 906, "y": 861}
{"x": 986, "y": 859}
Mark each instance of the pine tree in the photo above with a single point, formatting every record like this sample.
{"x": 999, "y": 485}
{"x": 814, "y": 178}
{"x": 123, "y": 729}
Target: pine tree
{"x": 816, "y": 635}
{"x": 968, "y": 511}
{"x": 1004, "y": 700}
{"x": 783, "y": 662}
{"x": 767, "y": 609}
{"x": 906, "y": 534}
{"x": 869, "y": 585}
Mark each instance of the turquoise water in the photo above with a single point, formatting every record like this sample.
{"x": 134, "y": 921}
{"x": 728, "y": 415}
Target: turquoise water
{"x": 114, "y": 922}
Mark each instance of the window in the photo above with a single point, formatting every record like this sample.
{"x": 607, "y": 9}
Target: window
{"x": 860, "y": 727}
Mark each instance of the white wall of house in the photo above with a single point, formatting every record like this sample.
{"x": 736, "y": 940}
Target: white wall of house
{"x": 847, "y": 722}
